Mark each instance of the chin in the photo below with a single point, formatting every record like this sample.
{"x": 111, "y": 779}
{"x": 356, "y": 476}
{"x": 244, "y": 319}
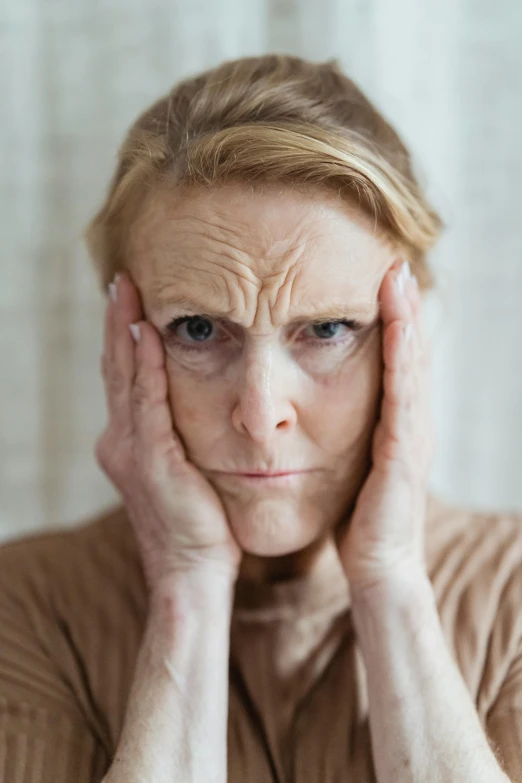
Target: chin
{"x": 273, "y": 529}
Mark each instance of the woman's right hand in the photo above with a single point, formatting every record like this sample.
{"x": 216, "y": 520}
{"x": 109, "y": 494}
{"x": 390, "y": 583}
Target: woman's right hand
{"x": 178, "y": 519}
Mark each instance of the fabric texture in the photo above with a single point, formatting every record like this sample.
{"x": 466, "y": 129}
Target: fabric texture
{"x": 73, "y": 606}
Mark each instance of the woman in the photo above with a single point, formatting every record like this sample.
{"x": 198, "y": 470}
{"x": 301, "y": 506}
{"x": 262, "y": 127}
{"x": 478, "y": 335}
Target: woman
{"x": 278, "y": 598}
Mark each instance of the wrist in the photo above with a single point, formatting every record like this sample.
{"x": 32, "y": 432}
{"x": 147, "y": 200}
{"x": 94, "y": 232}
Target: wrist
{"x": 391, "y": 581}
{"x": 195, "y": 582}
{"x": 176, "y": 717}
{"x": 398, "y": 594}
{"x": 190, "y": 602}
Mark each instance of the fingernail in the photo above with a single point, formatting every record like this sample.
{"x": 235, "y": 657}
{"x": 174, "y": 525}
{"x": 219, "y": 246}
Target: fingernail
{"x": 404, "y": 275}
{"x": 113, "y": 292}
{"x": 135, "y": 331}
{"x": 113, "y": 287}
{"x": 399, "y": 281}
{"x": 407, "y": 332}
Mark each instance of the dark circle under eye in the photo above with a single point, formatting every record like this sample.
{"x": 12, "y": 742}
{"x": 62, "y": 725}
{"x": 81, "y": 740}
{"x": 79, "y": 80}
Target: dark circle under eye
{"x": 327, "y": 329}
{"x": 199, "y": 328}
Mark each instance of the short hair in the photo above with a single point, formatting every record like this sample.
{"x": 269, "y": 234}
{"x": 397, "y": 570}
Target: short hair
{"x": 268, "y": 119}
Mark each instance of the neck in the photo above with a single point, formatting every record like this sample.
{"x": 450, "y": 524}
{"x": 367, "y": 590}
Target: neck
{"x": 274, "y": 569}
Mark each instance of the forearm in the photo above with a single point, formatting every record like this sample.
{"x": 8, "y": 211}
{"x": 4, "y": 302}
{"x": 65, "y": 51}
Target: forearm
{"x": 175, "y": 726}
{"x": 424, "y": 725}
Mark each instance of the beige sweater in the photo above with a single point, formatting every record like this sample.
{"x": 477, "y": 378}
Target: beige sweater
{"x": 72, "y": 611}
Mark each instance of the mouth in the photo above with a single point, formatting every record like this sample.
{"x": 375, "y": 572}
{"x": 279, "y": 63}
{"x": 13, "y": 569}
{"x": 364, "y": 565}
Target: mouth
{"x": 267, "y": 475}
{"x": 280, "y": 478}
{"x": 264, "y": 473}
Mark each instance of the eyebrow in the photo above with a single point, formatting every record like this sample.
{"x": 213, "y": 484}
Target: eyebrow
{"x": 332, "y": 312}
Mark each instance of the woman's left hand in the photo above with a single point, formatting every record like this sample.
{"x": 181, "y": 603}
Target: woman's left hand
{"x": 385, "y": 535}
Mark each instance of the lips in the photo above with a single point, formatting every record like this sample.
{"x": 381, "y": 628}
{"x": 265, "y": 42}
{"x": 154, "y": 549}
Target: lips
{"x": 267, "y": 475}
{"x": 260, "y": 474}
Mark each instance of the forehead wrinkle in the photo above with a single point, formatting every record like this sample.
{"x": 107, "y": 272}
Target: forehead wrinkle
{"x": 279, "y": 296}
{"x": 264, "y": 234}
{"x": 217, "y": 229}
{"x": 225, "y": 269}
{"x": 278, "y": 248}
{"x": 242, "y": 308}
{"x": 319, "y": 310}
{"x": 238, "y": 275}
{"x": 231, "y": 232}
{"x": 164, "y": 292}
{"x": 239, "y": 288}
{"x": 264, "y": 246}
{"x": 231, "y": 251}
{"x": 241, "y": 274}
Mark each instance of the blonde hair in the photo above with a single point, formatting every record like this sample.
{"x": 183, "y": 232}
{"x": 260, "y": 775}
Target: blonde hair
{"x": 270, "y": 119}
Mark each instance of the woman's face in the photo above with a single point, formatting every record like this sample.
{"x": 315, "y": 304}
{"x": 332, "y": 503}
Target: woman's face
{"x": 248, "y": 289}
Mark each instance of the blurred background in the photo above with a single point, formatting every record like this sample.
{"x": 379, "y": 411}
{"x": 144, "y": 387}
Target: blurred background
{"x": 75, "y": 74}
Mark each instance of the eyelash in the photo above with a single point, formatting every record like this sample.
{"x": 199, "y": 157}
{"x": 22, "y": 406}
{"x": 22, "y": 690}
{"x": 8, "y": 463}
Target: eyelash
{"x": 354, "y": 326}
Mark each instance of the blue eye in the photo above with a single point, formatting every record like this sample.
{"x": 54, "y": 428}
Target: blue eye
{"x": 201, "y": 333}
{"x": 198, "y": 329}
{"x": 328, "y": 329}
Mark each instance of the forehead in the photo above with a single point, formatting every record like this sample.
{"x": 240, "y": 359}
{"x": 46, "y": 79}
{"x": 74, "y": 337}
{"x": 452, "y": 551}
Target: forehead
{"x": 302, "y": 246}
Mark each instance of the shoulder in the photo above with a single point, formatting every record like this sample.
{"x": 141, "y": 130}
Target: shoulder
{"x": 73, "y": 603}
{"x": 60, "y": 566}
{"x": 466, "y": 543}
{"x": 474, "y": 559}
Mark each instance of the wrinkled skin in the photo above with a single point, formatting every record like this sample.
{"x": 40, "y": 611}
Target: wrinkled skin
{"x": 258, "y": 393}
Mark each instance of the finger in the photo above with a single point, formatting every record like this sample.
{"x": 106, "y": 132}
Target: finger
{"x": 394, "y": 295}
{"x": 422, "y": 342}
{"x": 402, "y": 383}
{"x": 128, "y": 310}
{"x": 406, "y": 422}
{"x": 420, "y": 346}
{"x": 119, "y": 352}
{"x": 407, "y": 307}
{"x": 403, "y": 302}
{"x": 107, "y": 330}
{"x": 398, "y": 389}
{"x": 107, "y": 359}
{"x": 154, "y": 435}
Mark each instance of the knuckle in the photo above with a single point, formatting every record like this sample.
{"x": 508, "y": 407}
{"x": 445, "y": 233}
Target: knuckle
{"x": 140, "y": 393}
{"x": 111, "y": 455}
{"x": 102, "y": 452}
{"x": 116, "y": 382}
{"x": 151, "y": 387}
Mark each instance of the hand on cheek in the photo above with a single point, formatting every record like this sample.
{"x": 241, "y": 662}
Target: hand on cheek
{"x": 178, "y": 520}
{"x": 385, "y": 536}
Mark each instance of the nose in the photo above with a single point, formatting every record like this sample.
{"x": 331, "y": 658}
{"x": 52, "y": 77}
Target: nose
{"x": 264, "y": 404}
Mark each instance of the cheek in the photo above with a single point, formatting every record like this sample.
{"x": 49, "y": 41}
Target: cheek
{"x": 198, "y": 412}
{"x": 338, "y": 413}
{"x": 347, "y": 403}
